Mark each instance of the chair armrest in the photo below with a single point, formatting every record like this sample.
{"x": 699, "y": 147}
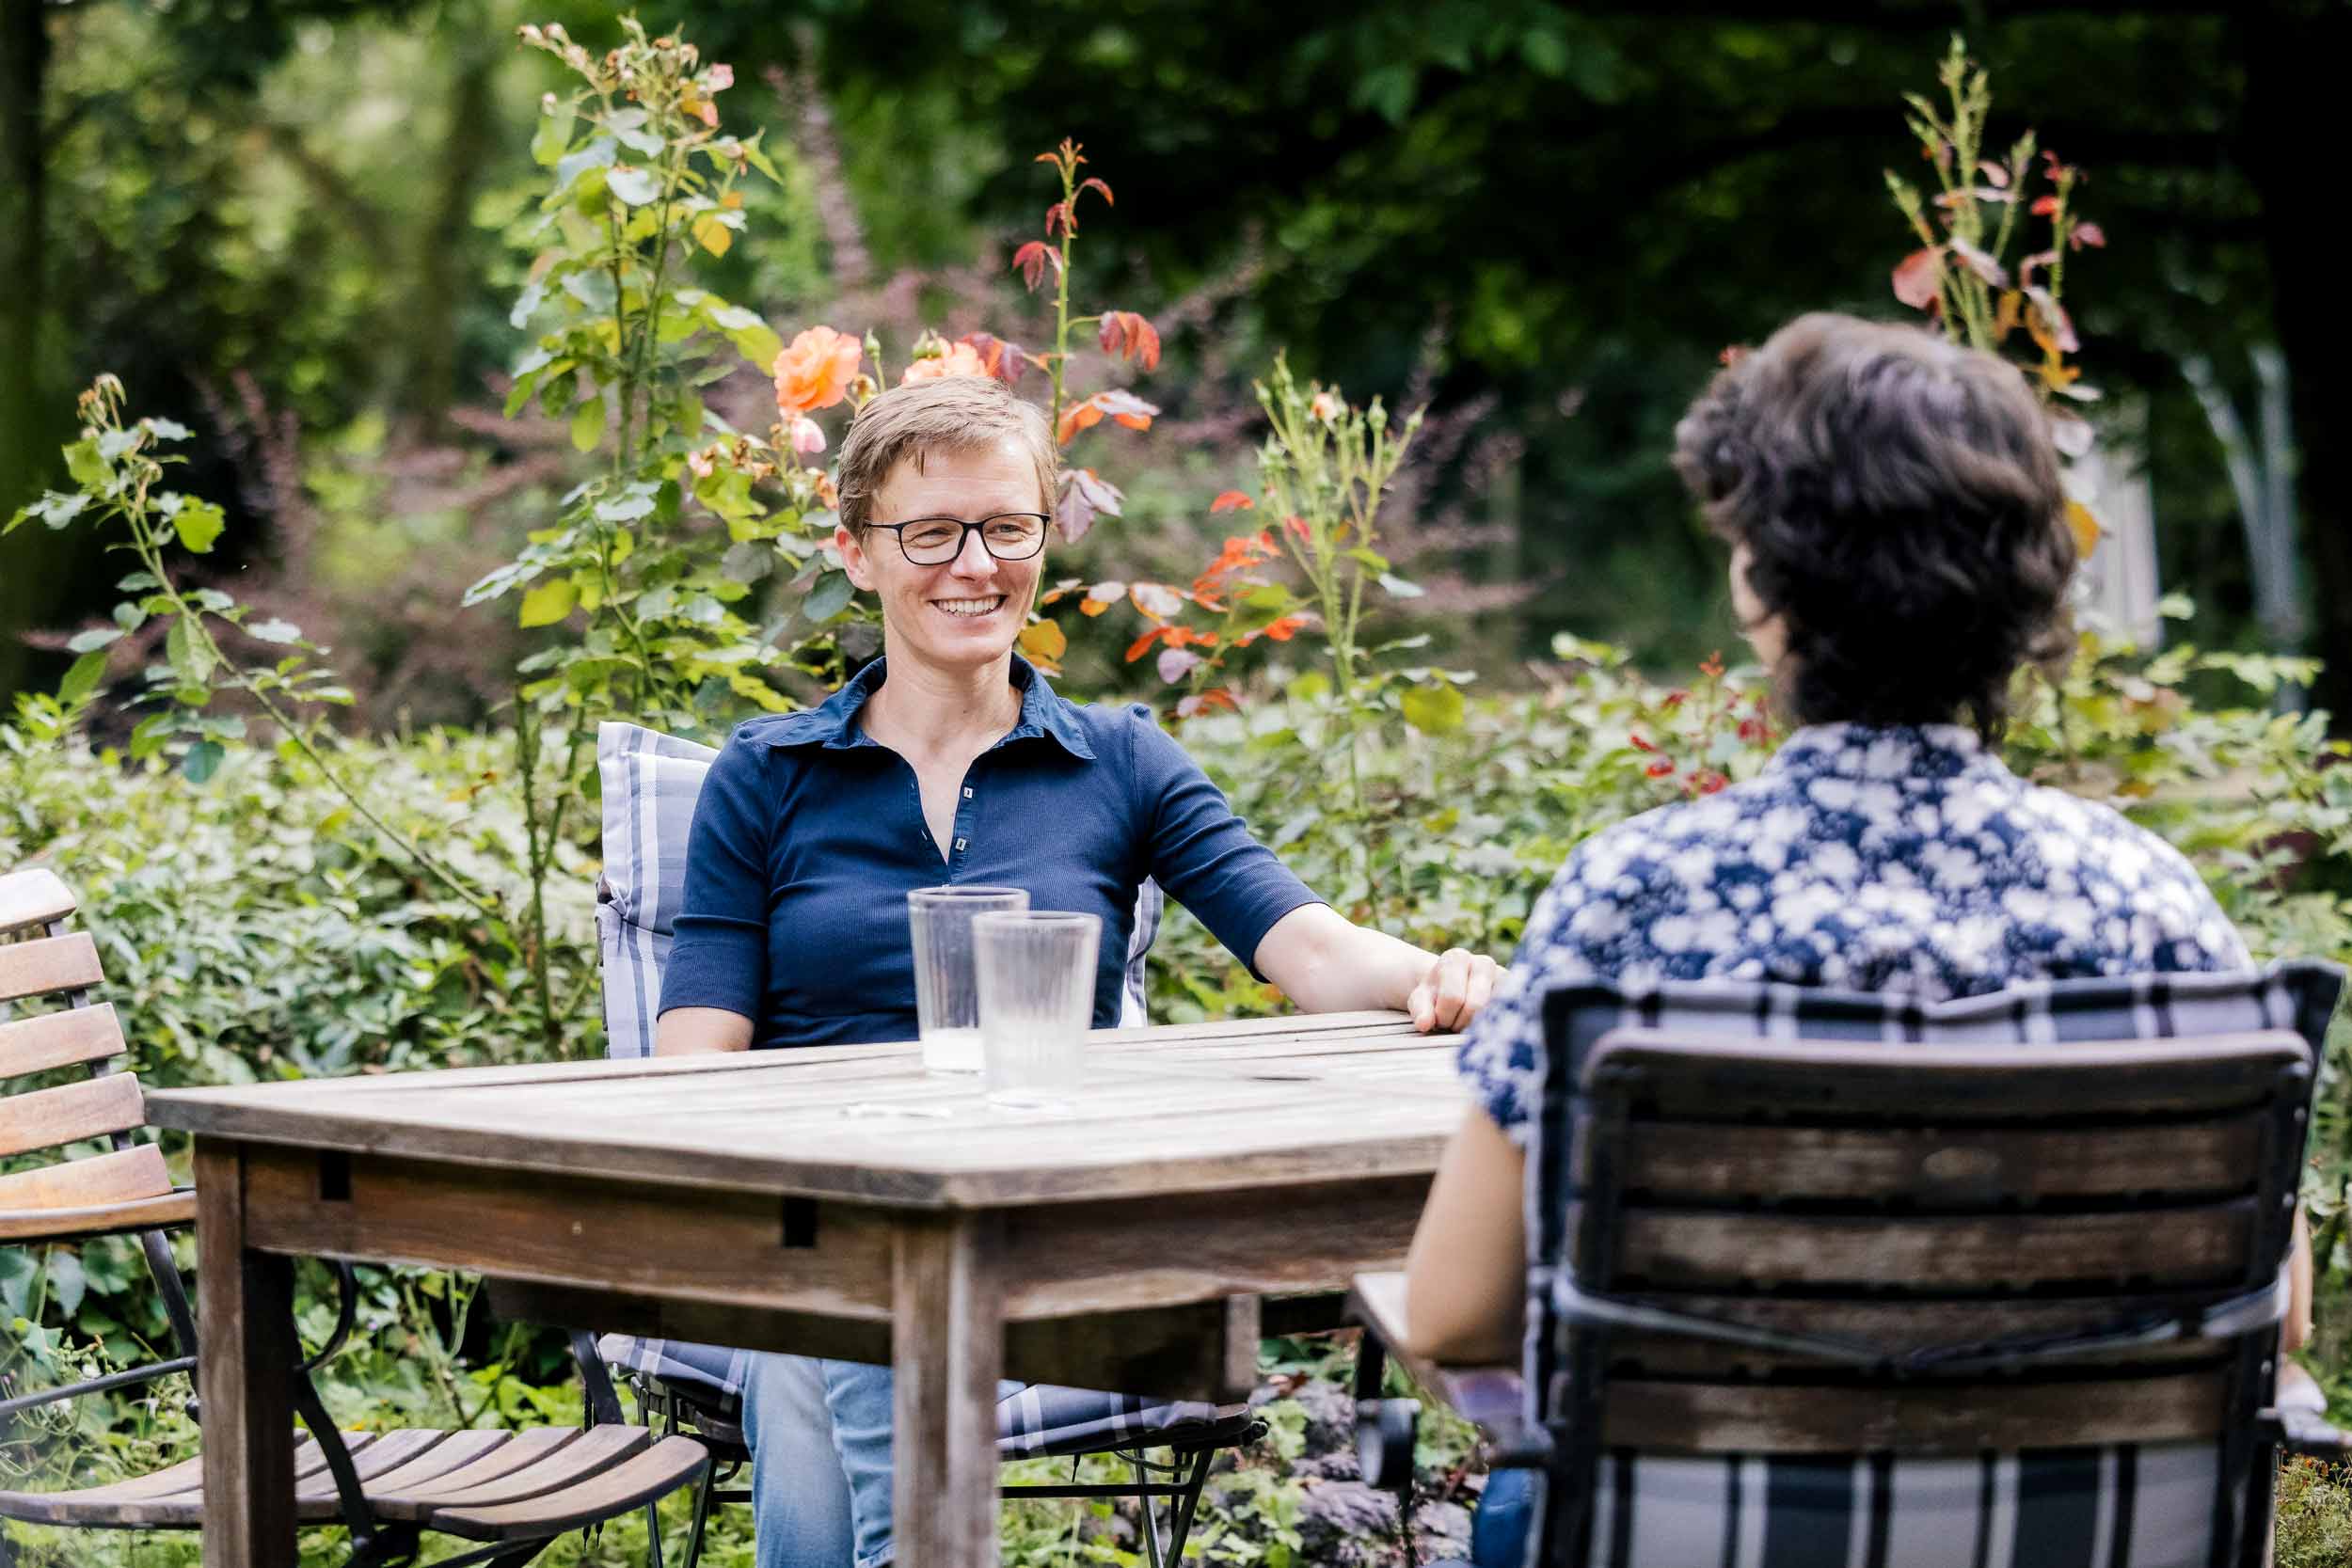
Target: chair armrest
{"x": 1491, "y": 1398}
{"x": 162, "y": 1211}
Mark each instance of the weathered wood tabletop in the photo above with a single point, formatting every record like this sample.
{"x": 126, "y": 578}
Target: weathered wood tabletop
{"x": 835, "y": 1201}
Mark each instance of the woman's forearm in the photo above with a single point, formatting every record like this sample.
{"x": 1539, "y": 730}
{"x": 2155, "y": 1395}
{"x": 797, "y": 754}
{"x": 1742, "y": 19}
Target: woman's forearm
{"x": 1464, "y": 1281}
{"x": 1327, "y": 964}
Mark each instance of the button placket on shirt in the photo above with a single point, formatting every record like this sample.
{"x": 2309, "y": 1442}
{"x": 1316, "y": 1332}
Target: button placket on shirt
{"x": 965, "y": 811}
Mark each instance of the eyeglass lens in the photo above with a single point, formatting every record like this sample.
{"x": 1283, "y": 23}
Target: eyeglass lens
{"x": 1008, "y": 536}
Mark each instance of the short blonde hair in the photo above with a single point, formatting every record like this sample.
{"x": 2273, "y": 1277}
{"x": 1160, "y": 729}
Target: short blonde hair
{"x": 950, "y": 413}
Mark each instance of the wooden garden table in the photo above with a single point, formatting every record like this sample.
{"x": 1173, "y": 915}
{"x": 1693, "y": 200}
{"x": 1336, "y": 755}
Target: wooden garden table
{"x": 834, "y": 1201}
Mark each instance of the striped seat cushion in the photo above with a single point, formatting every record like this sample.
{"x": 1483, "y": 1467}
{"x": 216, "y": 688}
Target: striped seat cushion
{"x": 1038, "y": 1421}
{"x": 2132, "y": 1506}
{"x": 651, "y": 782}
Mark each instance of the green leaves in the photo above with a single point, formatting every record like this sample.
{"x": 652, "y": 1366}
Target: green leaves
{"x": 198, "y": 523}
{"x": 829, "y": 598}
{"x": 81, "y": 681}
{"x": 87, "y": 467}
{"x": 553, "y": 136}
{"x": 1434, "y": 709}
{"x": 189, "y": 652}
{"x": 588, "y": 425}
{"x": 634, "y": 187}
{"x": 548, "y": 603}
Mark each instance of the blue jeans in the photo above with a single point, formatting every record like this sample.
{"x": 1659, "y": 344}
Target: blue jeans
{"x": 1505, "y": 1511}
{"x": 819, "y": 1436}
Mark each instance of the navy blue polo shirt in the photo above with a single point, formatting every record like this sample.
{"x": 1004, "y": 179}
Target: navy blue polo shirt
{"x": 809, "y": 835}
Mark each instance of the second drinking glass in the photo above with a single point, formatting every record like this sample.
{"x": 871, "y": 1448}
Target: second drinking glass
{"x": 1037, "y": 998}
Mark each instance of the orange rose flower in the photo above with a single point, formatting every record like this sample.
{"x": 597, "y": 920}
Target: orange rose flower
{"x": 959, "y": 359}
{"x": 815, "y": 368}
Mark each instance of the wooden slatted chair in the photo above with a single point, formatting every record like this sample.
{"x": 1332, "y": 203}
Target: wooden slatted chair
{"x": 516, "y": 1492}
{"x": 1916, "y": 1303}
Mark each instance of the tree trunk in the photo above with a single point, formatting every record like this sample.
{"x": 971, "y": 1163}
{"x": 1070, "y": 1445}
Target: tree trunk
{"x": 2295, "y": 51}
{"x": 24, "y": 62}
{"x": 430, "y": 386}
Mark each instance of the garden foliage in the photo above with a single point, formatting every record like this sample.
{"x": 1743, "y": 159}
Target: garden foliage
{"x": 323, "y": 904}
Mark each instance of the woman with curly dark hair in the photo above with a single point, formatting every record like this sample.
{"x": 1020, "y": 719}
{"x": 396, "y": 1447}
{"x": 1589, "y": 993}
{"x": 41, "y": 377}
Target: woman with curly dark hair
{"x": 1898, "y": 551}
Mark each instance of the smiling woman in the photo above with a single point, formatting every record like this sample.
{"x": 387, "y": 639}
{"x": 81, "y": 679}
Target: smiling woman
{"x": 951, "y": 760}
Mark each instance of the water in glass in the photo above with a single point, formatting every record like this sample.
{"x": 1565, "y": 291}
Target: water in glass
{"x": 947, "y": 994}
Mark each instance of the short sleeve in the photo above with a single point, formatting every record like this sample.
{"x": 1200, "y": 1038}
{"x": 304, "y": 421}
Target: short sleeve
{"x": 1200, "y": 852}
{"x": 1584, "y": 927}
{"x": 721, "y": 955}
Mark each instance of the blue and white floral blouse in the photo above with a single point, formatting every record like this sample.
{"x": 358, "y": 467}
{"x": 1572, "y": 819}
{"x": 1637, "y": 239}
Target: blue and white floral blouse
{"x": 1862, "y": 857}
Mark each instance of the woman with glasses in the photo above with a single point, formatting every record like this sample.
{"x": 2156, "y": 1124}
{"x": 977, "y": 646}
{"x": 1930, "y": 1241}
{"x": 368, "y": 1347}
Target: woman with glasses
{"x": 949, "y": 760}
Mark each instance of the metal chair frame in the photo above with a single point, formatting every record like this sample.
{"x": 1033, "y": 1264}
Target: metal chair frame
{"x": 674, "y": 1411}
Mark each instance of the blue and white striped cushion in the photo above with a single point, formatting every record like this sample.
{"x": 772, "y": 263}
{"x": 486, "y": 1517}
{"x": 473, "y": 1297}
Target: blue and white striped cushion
{"x": 2130, "y": 1506}
{"x": 651, "y": 782}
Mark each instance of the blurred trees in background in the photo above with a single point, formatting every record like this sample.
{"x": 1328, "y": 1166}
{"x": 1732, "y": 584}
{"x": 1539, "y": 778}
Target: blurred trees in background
{"x": 289, "y": 223}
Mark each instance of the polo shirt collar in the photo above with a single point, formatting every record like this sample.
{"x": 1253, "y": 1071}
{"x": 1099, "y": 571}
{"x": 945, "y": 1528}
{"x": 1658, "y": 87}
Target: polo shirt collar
{"x": 833, "y": 723}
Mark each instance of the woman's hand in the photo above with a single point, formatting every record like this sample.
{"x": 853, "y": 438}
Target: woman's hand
{"x": 1457, "y": 986}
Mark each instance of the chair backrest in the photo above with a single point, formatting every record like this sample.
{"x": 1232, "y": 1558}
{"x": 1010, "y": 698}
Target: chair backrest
{"x": 1843, "y": 1272}
{"x": 650, "y": 783}
{"x": 41, "y": 960}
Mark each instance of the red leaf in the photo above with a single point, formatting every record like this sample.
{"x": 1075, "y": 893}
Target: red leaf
{"x": 2026, "y": 268}
{"x": 1084, "y": 495}
{"x": 2087, "y": 234}
{"x": 1659, "y": 769}
{"x": 1230, "y": 501}
{"x": 1641, "y": 745}
{"x": 1283, "y": 630}
{"x": 2043, "y": 206}
{"x": 1059, "y": 214}
{"x": 1915, "y": 278}
{"x": 1299, "y": 526}
{"x": 1157, "y": 599}
{"x": 1101, "y": 597}
{"x": 2049, "y": 323}
{"x": 1201, "y": 701}
{"x": 1097, "y": 185}
{"x": 1006, "y": 360}
{"x": 1124, "y": 407}
{"x": 1032, "y": 259}
{"x": 1129, "y": 336}
{"x": 1045, "y": 158}
{"x": 1978, "y": 263}
{"x": 1142, "y": 645}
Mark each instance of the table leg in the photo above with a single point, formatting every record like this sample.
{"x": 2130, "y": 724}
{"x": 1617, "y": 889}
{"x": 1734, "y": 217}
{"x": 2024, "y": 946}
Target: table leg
{"x": 948, "y": 1342}
{"x": 245, "y": 1371}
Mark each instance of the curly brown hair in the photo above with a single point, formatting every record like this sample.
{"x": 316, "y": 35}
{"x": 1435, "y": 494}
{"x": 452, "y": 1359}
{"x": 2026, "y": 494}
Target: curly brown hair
{"x": 1899, "y": 500}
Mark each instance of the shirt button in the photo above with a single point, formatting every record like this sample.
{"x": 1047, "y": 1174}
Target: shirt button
{"x": 967, "y": 792}
{"x": 958, "y": 844}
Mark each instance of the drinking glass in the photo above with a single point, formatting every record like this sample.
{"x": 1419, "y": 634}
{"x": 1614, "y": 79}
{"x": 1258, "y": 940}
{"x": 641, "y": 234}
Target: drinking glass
{"x": 1037, "y": 997}
{"x": 946, "y": 998}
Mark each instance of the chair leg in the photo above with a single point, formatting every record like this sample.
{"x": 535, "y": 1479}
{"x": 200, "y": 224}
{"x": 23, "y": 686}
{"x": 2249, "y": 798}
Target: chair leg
{"x": 1143, "y": 1507}
{"x": 1181, "y": 1510}
{"x": 703, "y": 1489}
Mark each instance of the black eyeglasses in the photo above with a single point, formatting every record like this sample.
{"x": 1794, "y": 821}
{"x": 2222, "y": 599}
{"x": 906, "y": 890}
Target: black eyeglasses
{"x": 933, "y": 541}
